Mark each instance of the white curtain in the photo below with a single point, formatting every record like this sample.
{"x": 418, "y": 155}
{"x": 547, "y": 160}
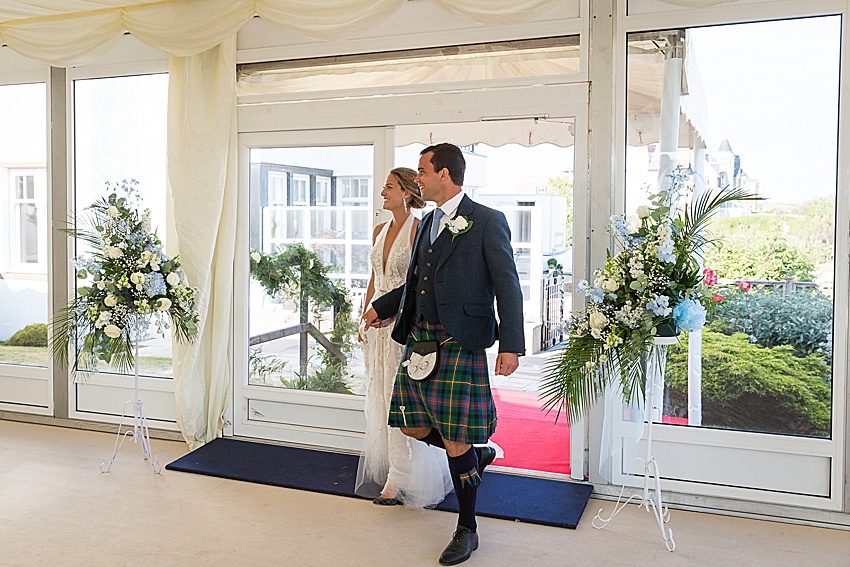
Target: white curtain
{"x": 202, "y": 180}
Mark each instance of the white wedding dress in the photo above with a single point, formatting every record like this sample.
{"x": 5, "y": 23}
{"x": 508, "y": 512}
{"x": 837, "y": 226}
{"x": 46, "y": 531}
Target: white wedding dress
{"x": 391, "y": 459}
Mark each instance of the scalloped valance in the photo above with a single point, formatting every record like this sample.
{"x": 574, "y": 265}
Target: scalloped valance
{"x": 60, "y": 32}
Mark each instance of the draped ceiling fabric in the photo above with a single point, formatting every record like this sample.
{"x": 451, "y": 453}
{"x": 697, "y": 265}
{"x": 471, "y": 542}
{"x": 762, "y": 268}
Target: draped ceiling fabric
{"x": 60, "y": 31}
{"x": 199, "y": 35}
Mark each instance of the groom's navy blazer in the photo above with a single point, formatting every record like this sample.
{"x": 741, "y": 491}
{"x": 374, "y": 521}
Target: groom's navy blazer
{"x": 474, "y": 268}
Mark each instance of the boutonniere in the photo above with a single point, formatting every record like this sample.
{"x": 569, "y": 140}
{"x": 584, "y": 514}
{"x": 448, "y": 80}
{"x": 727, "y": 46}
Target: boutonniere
{"x": 458, "y": 226}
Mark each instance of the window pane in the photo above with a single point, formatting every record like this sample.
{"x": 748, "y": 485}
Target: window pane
{"x": 23, "y": 225}
{"x": 28, "y": 225}
{"x": 527, "y": 58}
{"x": 120, "y": 133}
{"x": 316, "y": 218}
{"x": 767, "y": 351}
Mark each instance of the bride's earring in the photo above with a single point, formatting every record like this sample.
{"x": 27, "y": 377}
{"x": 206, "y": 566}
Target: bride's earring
{"x": 405, "y": 205}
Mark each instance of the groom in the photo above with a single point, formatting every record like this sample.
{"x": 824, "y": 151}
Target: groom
{"x": 462, "y": 259}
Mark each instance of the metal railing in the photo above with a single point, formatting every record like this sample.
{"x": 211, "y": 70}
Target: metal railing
{"x": 788, "y": 286}
{"x": 556, "y": 288}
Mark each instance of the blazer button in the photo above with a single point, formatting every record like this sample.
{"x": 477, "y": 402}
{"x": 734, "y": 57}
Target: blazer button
{"x": 423, "y": 292}
{"x": 426, "y": 278}
{"x": 428, "y": 264}
{"x": 429, "y": 251}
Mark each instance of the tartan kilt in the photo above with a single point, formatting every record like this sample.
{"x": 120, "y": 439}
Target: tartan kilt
{"x": 456, "y": 399}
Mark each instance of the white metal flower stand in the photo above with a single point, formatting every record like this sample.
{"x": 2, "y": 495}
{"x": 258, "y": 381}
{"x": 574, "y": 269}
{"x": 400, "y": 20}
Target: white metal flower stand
{"x": 651, "y": 496}
{"x": 140, "y": 423}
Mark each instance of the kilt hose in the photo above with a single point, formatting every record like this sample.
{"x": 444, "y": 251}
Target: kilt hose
{"x": 456, "y": 399}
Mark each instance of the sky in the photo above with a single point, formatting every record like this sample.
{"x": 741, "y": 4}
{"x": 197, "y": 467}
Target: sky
{"x": 772, "y": 90}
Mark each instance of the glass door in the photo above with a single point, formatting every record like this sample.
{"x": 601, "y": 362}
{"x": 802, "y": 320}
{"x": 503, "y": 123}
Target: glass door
{"x": 321, "y": 189}
{"x": 307, "y": 229}
{"x": 748, "y": 402}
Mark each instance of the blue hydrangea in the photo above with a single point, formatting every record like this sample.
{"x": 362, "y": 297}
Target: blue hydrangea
{"x": 154, "y": 284}
{"x": 689, "y": 315}
{"x": 660, "y": 305}
{"x": 665, "y": 252}
{"x": 596, "y": 294}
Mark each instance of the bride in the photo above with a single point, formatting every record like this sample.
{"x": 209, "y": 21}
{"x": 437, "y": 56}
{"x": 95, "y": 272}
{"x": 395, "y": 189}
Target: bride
{"x": 394, "y": 468}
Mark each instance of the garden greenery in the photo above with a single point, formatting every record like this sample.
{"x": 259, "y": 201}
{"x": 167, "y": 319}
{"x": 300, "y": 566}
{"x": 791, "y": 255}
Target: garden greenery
{"x": 297, "y": 273}
{"x": 34, "y": 335}
{"x": 751, "y": 387}
{"x": 802, "y": 320}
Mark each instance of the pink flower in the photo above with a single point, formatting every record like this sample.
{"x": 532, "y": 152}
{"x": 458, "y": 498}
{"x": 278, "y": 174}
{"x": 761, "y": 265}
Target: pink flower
{"x": 744, "y": 286}
{"x": 710, "y": 278}
{"x": 717, "y": 298}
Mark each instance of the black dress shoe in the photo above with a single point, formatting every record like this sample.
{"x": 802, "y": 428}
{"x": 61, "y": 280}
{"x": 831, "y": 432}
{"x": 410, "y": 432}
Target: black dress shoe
{"x": 381, "y": 501}
{"x": 486, "y": 455}
{"x": 464, "y": 542}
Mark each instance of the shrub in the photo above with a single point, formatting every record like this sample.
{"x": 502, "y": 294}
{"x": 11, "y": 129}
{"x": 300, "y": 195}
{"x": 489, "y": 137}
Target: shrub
{"x": 34, "y": 335}
{"x": 750, "y": 387}
{"x": 755, "y": 248}
{"x": 803, "y": 320}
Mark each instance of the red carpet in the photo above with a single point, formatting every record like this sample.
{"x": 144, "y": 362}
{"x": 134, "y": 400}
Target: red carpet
{"x": 528, "y": 436}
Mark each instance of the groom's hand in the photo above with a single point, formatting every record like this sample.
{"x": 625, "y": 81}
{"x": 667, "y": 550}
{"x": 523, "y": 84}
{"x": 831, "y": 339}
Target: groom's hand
{"x": 506, "y": 363}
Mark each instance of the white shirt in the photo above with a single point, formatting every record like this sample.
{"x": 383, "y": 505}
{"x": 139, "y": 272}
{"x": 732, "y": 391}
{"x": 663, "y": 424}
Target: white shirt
{"x": 449, "y": 209}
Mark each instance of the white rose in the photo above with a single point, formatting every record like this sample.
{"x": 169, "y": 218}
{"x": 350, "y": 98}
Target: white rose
{"x": 113, "y": 211}
{"x": 172, "y": 279}
{"x": 101, "y": 285}
{"x": 643, "y": 211}
{"x": 163, "y": 303}
{"x": 610, "y": 285}
{"x": 137, "y": 278}
{"x": 112, "y": 331}
{"x": 598, "y": 320}
{"x": 155, "y": 264}
{"x": 114, "y": 252}
{"x": 110, "y": 301}
{"x": 255, "y": 256}
{"x": 461, "y": 223}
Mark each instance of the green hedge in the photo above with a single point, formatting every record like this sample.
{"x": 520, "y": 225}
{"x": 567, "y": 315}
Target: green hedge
{"x": 803, "y": 320}
{"x": 749, "y": 387}
{"x": 32, "y": 335}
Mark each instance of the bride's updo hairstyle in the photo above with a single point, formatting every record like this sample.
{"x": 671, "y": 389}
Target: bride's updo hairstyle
{"x": 406, "y": 177}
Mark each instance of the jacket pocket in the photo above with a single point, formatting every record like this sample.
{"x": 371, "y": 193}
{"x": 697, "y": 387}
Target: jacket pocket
{"x": 479, "y": 309}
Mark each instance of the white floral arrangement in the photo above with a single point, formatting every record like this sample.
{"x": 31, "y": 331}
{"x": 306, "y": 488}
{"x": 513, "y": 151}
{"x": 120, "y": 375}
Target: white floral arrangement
{"x": 653, "y": 286}
{"x": 127, "y": 284}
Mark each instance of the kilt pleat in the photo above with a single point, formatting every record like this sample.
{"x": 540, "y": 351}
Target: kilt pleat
{"x": 456, "y": 400}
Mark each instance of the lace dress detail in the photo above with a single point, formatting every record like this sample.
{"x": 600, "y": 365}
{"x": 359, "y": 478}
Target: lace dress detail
{"x": 390, "y": 459}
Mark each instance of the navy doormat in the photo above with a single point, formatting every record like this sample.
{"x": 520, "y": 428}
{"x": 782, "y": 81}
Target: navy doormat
{"x": 505, "y": 496}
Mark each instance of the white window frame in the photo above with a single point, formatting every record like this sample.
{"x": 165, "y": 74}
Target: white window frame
{"x": 323, "y": 191}
{"x": 281, "y": 182}
{"x": 760, "y": 451}
{"x": 300, "y": 190}
{"x": 39, "y": 200}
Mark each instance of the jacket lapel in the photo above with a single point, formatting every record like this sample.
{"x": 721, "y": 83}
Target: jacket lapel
{"x": 463, "y": 209}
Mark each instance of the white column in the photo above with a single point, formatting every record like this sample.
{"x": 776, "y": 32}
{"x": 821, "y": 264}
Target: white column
{"x": 695, "y": 337}
{"x": 671, "y": 95}
{"x": 668, "y": 145}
